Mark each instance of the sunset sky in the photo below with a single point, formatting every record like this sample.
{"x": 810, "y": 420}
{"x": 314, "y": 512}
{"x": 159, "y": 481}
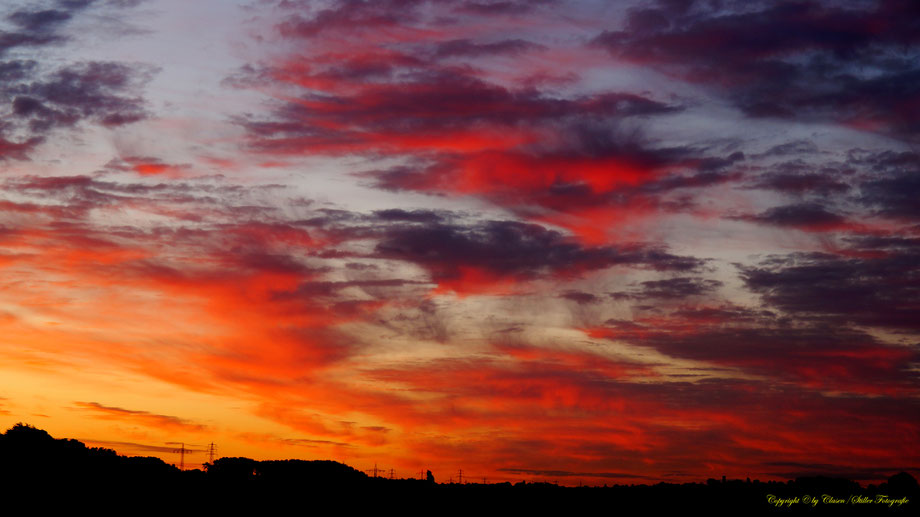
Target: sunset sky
{"x": 574, "y": 241}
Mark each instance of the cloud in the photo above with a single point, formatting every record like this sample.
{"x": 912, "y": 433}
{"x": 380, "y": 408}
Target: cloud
{"x": 351, "y": 14}
{"x": 37, "y": 29}
{"x": 136, "y": 447}
{"x": 510, "y": 7}
{"x": 842, "y": 289}
{"x": 296, "y": 442}
{"x": 372, "y": 110}
{"x": 465, "y": 47}
{"x": 39, "y": 21}
{"x": 144, "y": 418}
{"x": 676, "y": 288}
{"x": 92, "y": 90}
{"x": 17, "y": 150}
{"x": 565, "y": 473}
{"x": 668, "y": 422}
{"x": 579, "y": 297}
{"x": 795, "y": 147}
{"x": 415, "y": 216}
{"x": 793, "y": 179}
{"x": 502, "y": 253}
{"x": 892, "y": 193}
{"x": 788, "y": 60}
{"x": 573, "y": 159}
{"x": 803, "y": 216}
{"x": 801, "y": 346}
{"x": 42, "y": 95}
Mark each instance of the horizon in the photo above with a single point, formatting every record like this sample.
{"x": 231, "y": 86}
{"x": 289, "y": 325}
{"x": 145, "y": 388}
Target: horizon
{"x": 650, "y": 240}
{"x": 385, "y": 474}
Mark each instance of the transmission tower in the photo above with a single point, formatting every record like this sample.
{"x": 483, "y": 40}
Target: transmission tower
{"x": 181, "y": 450}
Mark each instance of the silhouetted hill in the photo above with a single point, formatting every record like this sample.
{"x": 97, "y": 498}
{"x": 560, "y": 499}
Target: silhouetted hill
{"x": 30, "y": 454}
{"x": 318, "y": 472}
{"x": 36, "y": 467}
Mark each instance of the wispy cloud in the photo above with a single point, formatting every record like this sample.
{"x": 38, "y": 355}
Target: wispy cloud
{"x": 144, "y": 418}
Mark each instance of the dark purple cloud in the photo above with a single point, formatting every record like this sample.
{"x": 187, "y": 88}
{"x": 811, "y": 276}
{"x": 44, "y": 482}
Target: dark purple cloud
{"x": 580, "y": 297}
{"x": 804, "y": 216}
{"x": 676, "y": 288}
{"x": 38, "y": 28}
{"x": 895, "y": 187}
{"x": 813, "y": 355}
{"x": 515, "y": 251}
{"x": 502, "y": 7}
{"x": 39, "y": 21}
{"x": 40, "y": 97}
{"x": 799, "y": 179}
{"x": 350, "y": 15}
{"x": 94, "y": 91}
{"x": 882, "y": 290}
{"x": 413, "y": 216}
{"x": 794, "y": 60}
{"x": 467, "y": 48}
{"x": 433, "y": 101}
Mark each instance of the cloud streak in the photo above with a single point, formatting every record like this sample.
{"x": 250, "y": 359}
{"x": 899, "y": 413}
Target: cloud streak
{"x": 142, "y": 417}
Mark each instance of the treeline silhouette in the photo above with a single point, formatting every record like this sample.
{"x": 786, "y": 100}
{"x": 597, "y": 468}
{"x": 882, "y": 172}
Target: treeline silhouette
{"x": 37, "y": 467}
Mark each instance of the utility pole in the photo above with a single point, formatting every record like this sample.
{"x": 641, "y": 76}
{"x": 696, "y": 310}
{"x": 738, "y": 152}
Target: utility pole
{"x": 461, "y": 477}
{"x": 211, "y": 450}
{"x": 391, "y": 473}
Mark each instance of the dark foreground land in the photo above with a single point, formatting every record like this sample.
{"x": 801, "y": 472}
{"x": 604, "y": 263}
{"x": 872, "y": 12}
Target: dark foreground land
{"x": 46, "y": 473}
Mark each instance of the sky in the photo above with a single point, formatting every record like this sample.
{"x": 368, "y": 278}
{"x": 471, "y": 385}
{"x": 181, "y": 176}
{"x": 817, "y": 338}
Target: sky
{"x": 560, "y": 240}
